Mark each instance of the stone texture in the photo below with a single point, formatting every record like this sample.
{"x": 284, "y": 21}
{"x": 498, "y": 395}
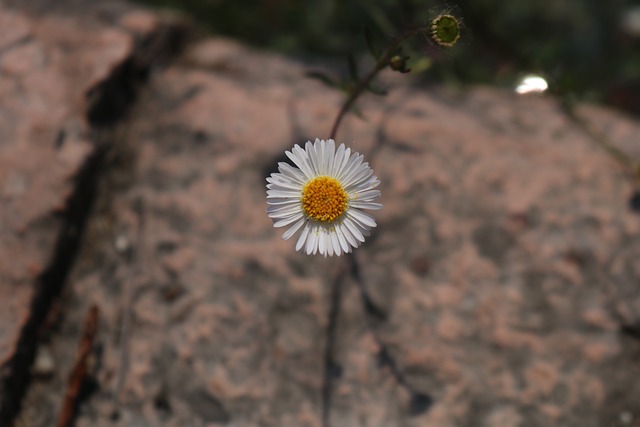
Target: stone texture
{"x": 45, "y": 72}
{"x": 48, "y": 64}
{"x": 505, "y": 257}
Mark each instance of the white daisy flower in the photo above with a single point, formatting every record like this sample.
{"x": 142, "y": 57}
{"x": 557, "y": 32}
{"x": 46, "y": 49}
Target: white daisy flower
{"x": 324, "y": 197}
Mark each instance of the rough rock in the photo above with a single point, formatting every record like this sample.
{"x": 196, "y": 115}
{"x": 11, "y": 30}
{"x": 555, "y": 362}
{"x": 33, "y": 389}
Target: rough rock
{"x": 48, "y": 65}
{"x": 42, "y": 147}
{"x": 44, "y": 144}
{"x": 505, "y": 260}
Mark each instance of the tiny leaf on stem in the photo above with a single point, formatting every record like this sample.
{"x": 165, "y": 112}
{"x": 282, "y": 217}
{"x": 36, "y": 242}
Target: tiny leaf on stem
{"x": 369, "y": 39}
{"x": 319, "y": 75}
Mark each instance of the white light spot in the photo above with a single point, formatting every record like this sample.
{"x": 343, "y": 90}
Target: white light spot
{"x": 121, "y": 243}
{"x": 631, "y": 21}
{"x": 626, "y": 417}
{"x": 531, "y": 84}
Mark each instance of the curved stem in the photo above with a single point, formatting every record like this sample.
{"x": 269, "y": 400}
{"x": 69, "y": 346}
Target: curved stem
{"x": 366, "y": 80}
{"x": 331, "y": 368}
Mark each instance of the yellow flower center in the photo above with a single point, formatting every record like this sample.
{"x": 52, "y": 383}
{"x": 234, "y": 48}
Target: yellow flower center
{"x": 324, "y": 199}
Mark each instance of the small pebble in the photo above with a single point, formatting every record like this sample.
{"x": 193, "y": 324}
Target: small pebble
{"x": 122, "y": 243}
{"x": 626, "y": 417}
{"x": 44, "y": 364}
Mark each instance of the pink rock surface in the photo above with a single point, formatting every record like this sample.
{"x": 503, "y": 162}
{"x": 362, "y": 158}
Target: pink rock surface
{"x": 46, "y": 65}
{"x": 505, "y": 257}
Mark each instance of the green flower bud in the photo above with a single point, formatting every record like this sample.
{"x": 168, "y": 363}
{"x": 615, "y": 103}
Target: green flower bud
{"x": 445, "y": 30}
{"x": 399, "y": 63}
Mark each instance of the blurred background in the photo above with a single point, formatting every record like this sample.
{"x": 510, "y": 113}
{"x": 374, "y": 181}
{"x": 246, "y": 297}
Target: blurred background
{"x": 504, "y": 273}
{"x": 587, "y": 50}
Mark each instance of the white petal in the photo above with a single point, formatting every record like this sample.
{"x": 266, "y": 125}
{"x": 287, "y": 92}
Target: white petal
{"x": 358, "y": 182}
{"x": 352, "y": 167}
{"x": 303, "y": 236}
{"x": 322, "y": 243}
{"x": 284, "y": 185}
{"x": 348, "y": 235}
{"x": 320, "y": 147}
{"x": 315, "y": 243}
{"x": 280, "y": 202}
{"x": 346, "y": 155}
{"x": 283, "y": 211}
{"x": 366, "y": 205}
{"x": 291, "y": 172}
{"x": 331, "y": 151}
{"x": 368, "y": 184}
{"x": 357, "y": 176}
{"x": 347, "y": 165}
{"x": 337, "y": 161}
{"x": 364, "y": 195}
{"x": 364, "y": 186}
{"x": 288, "y": 220}
{"x": 354, "y": 229}
{"x": 299, "y": 157}
{"x": 328, "y": 245}
{"x": 283, "y": 194}
{"x": 312, "y": 157}
{"x": 335, "y": 244}
{"x": 291, "y": 231}
{"x": 362, "y": 217}
{"x": 312, "y": 240}
{"x": 341, "y": 238}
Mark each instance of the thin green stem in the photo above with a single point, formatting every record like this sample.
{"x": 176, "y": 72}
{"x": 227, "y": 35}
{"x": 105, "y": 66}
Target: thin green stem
{"x": 331, "y": 367}
{"x": 366, "y": 80}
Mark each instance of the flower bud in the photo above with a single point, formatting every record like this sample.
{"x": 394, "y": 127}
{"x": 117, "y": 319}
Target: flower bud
{"x": 399, "y": 63}
{"x": 445, "y": 30}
